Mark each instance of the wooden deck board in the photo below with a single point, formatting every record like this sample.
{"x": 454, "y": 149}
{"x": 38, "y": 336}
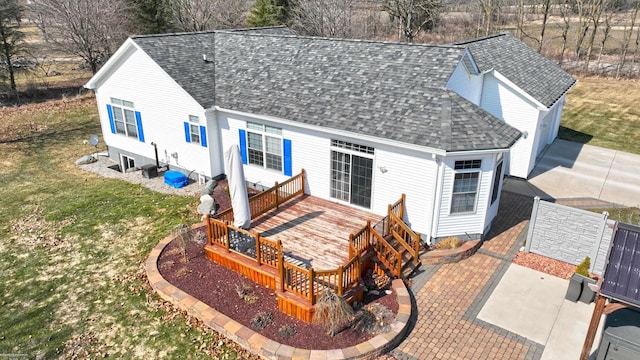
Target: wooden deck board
{"x": 313, "y": 231}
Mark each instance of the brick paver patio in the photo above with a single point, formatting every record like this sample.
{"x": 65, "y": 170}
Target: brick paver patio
{"x": 448, "y": 298}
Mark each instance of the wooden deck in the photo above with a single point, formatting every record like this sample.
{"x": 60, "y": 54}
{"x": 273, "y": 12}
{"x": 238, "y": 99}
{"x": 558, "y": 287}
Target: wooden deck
{"x": 314, "y": 232}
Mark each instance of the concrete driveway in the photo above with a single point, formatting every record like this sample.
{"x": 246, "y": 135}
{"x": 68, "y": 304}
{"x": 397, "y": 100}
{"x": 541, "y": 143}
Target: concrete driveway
{"x": 573, "y": 170}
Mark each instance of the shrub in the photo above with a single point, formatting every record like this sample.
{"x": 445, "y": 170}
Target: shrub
{"x": 287, "y": 331}
{"x": 332, "y": 310}
{"x": 373, "y": 318}
{"x": 583, "y": 267}
{"x": 245, "y": 292}
{"x": 262, "y": 320}
{"x": 450, "y": 242}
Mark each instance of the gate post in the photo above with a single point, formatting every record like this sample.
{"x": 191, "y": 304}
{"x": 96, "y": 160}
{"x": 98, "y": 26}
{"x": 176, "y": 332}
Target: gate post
{"x": 532, "y": 223}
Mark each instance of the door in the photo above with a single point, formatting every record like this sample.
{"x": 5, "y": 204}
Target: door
{"x": 351, "y": 178}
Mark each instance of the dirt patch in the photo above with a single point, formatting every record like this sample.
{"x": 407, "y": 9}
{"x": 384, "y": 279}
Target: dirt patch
{"x": 218, "y": 287}
{"x": 544, "y": 264}
{"x": 33, "y": 230}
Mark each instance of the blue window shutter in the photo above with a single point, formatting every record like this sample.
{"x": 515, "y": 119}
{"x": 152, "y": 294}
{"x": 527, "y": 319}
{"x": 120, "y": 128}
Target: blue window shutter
{"x": 286, "y": 146}
{"x": 139, "y": 124}
{"x": 203, "y": 136}
{"x": 187, "y": 132}
{"x": 111, "y": 123}
{"x": 243, "y": 146}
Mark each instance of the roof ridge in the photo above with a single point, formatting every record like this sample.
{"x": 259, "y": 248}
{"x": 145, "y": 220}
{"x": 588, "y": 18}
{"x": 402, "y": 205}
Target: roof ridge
{"x": 324, "y": 38}
{"x": 491, "y": 36}
{"x": 182, "y": 33}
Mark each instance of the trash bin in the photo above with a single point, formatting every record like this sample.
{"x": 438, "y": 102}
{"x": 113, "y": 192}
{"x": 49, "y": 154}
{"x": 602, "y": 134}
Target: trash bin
{"x": 149, "y": 171}
{"x": 621, "y": 336}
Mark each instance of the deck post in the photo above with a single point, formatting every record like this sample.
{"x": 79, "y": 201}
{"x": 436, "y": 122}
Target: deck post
{"x": 208, "y": 222}
{"x": 593, "y": 326}
{"x": 416, "y": 245}
{"x": 402, "y": 198}
{"x": 340, "y": 275}
{"x": 258, "y": 256}
{"x": 280, "y": 264}
{"x": 226, "y": 235}
{"x": 302, "y": 180}
{"x": 311, "y": 296}
{"x": 277, "y": 193}
{"x": 368, "y": 244}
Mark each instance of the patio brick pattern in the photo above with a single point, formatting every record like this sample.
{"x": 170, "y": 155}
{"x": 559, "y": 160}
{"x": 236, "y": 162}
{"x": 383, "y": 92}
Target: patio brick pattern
{"x": 446, "y": 325}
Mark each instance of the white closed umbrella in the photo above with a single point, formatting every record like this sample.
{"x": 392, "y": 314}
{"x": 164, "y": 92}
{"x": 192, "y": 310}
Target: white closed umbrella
{"x": 237, "y": 187}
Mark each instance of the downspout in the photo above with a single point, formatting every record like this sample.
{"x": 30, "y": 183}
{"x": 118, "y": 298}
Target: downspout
{"x": 436, "y": 197}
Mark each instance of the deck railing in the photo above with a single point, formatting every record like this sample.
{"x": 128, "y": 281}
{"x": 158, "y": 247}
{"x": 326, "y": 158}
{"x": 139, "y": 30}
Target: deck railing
{"x": 269, "y": 199}
{"x": 309, "y": 283}
{"x": 405, "y": 236}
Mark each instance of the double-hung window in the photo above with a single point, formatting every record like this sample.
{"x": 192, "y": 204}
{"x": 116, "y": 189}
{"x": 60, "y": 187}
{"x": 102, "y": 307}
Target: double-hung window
{"x": 263, "y": 145}
{"x": 124, "y": 119}
{"x": 465, "y": 186}
{"x": 194, "y": 132}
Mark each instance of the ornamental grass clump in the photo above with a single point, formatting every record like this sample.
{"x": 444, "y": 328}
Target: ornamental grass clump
{"x": 583, "y": 267}
{"x": 333, "y": 311}
{"x": 183, "y": 234}
{"x": 450, "y": 242}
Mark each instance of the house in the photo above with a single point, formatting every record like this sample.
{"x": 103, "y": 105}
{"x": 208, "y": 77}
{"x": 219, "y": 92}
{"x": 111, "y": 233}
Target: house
{"x": 367, "y": 120}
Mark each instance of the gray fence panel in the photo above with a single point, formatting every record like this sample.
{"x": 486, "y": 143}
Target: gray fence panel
{"x": 569, "y": 234}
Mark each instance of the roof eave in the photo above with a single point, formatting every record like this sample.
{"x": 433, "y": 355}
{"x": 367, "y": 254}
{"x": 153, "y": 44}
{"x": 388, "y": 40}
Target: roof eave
{"x": 127, "y": 47}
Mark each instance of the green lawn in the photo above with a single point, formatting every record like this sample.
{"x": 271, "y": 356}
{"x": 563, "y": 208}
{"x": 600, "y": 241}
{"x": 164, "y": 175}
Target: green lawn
{"x": 603, "y": 112}
{"x": 73, "y": 244}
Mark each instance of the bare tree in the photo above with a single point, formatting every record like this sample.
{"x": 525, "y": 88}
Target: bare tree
{"x": 90, "y": 29}
{"x": 595, "y": 13}
{"x": 200, "y": 15}
{"x": 329, "y": 18}
{"x": 413, "y": 15}
{"x": 627, "y": 32}
{"x": 11, "y": 38}
{"x": 565, "y": 13}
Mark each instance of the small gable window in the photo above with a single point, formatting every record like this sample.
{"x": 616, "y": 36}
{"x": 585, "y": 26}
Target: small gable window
{"x": 194, "y": 132}
{"x": 465, "y": 186}
{"x": 124, "y": 119}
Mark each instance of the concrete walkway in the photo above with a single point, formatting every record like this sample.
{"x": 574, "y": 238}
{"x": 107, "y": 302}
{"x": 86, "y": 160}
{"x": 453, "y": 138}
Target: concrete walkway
{"x": 573, "y": 170}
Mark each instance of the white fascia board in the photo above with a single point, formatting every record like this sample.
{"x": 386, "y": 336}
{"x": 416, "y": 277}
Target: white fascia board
{"x": 114, "y": 61}
{"x": 517, "y": 89}
{"x": 476, "y": 152}
{"x": 343, "y": 133}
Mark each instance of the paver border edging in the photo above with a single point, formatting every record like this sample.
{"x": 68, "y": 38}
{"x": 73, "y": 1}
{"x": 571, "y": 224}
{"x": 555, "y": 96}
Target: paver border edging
{"x": 261, "y": 345}
{"x": 435, "y": 257}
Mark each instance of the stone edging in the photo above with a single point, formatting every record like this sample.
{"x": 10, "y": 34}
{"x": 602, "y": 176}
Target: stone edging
{"x": 262, "y": 345}
{"x": 467, "y": 249}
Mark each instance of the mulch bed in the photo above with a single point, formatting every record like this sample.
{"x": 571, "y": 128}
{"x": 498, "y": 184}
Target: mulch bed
{"x": 217, "y": 287}
{"x": 544, "y": 264}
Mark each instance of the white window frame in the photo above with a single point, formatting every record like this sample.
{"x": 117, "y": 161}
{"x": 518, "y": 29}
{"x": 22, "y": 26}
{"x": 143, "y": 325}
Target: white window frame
{"x": 194, "y": 130}
{"x": 268, "y": 159}
{"x": 124, "y": 117}
{"x": 466, "y": 167}
{"x": 343, "y": 194}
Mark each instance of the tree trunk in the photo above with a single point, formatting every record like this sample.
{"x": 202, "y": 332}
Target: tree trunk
{"x": 626, "y": 40}
{"x": 547, "y": 6}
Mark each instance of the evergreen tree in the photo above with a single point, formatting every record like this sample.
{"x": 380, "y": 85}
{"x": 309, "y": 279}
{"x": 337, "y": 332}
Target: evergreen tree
{"x": 11, "y": 38}
{"x": 154, "y": 16}
{"x": 265, "y": 13}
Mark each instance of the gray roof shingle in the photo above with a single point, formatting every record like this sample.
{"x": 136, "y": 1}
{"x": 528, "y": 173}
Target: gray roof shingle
{"x": 386, "y": 90}
{"x": 538, "y": 76}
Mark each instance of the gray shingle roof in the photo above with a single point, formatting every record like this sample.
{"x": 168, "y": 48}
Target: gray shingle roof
{"x": 538, "y": 76}
{"x": 386, "y": 90}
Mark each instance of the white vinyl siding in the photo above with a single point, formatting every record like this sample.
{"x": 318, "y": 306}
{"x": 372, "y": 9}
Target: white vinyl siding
{"x": 467, "y": 222}
{"x": 467, "y": 85}
{"x": 409, "y": 172}
{"x": 164, "y": 114}
{"x": 507, "y": 104}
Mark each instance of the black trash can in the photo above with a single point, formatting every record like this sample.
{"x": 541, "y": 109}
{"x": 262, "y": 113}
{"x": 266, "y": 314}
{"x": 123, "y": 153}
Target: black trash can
{"x": 149, "y": 171}
{"x": 621, "y": 336}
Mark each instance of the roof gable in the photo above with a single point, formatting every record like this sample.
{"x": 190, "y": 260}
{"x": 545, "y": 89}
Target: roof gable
{"x": 536, "y": 75}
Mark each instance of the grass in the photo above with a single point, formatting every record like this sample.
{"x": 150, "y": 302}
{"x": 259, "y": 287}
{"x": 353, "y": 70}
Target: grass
{"x": 72, "y": 246}
{"x": 603, "y": 112}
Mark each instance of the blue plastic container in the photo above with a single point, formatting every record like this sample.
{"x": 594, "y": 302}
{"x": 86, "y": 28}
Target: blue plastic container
{"x": 175, "y": 179}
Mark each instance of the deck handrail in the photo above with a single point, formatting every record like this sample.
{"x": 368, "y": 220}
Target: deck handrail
{"x": 269, "y": 199}
{"x": 298, "y": 280}
{"x": 405, "y": 236}
{"x": 359, "y": 241}
{"x": 389, "y": 256}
